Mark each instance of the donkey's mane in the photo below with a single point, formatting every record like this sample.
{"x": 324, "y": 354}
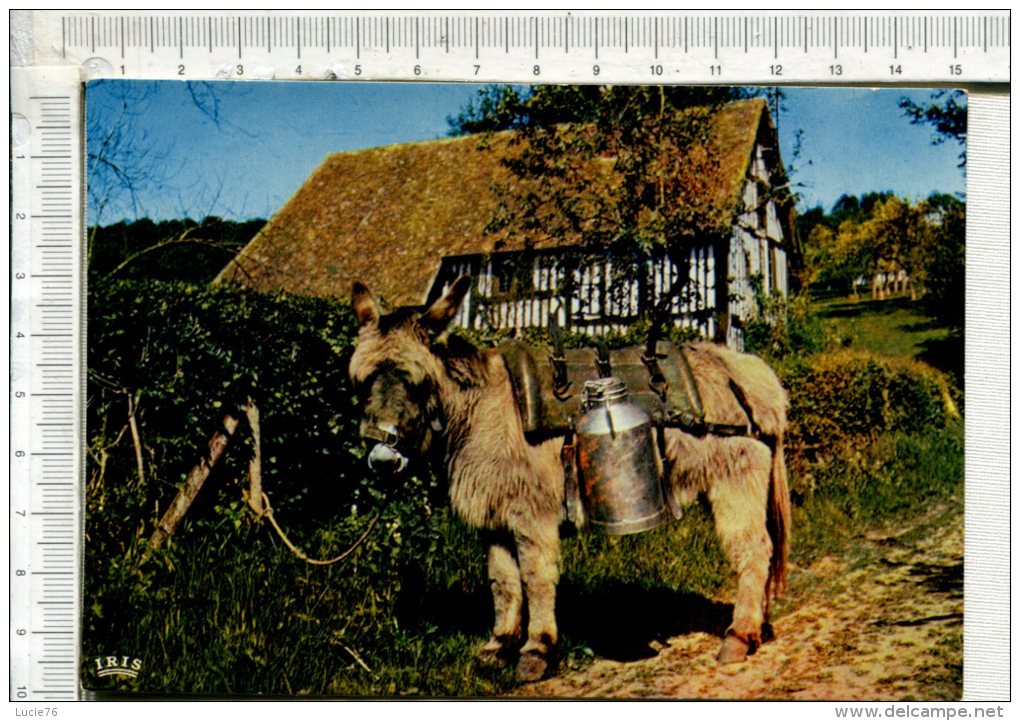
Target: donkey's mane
{"x": 464, "y": 363}
{"x": 401, "y": 316}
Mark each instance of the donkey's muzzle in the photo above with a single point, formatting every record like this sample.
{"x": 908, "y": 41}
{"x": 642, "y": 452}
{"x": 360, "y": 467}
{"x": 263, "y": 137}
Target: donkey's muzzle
{"x": 386, "y": 459}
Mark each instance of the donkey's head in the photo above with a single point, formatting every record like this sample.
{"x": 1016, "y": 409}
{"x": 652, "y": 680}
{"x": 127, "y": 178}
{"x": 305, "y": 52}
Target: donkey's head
{"x": 396, "y": 375}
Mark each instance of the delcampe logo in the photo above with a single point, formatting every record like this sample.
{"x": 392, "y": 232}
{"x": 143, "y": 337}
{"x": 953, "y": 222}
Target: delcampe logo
{"x": 118, "y": 666}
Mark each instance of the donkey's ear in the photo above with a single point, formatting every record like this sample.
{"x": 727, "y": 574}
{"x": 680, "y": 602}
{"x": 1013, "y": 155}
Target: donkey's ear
{"x": 366, "y": 310}
{"x": 439, "y": 315}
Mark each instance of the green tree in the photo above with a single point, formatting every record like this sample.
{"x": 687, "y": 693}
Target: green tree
{"x": 833, "y": 258}
{"x": 807, "y": 220}
{"x": 855, "y": 208}
{"x": 946, "y": 112}
{"x": 944, "y": 257}
{"x": 834, "y": 249}
{"x": 510, "y": 107}
{"x": 892, "y": 239}
{"x": 173, "y": 250}
{"x": 945, "y": 252}
{"x": 888, "y": 233}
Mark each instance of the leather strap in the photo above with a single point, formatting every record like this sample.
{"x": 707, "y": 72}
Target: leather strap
{"x": 373, "y": 433}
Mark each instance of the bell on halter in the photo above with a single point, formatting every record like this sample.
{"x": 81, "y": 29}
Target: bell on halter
{"x": 617, "y": 461}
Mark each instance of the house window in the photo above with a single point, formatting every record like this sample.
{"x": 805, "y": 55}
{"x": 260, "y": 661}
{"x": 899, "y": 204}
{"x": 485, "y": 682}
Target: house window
{"x": 512, "y": 275}
{"x": 762, "y": 208}
{"x": 773, "y": 270}
{"x": 590, "y": 289}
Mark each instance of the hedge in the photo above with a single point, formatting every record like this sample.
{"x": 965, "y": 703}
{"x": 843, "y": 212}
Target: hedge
{"x": 224, "y": 595}
{"x": 845, "y": 396}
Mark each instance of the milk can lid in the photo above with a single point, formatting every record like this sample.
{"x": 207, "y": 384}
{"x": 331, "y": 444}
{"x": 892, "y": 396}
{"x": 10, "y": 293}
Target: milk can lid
{"x": 603, "y": 390}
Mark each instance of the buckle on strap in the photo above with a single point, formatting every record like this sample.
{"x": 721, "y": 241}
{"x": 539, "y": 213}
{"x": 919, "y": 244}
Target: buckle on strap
{"x": 656, "y": 380}
{"x": 374, "y": 433}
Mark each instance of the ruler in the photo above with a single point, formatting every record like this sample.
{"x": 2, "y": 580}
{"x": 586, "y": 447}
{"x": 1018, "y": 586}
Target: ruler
{"x": 60, "y": 49}
{"x": 45, "y": 389}
{"x": 527, "y": 47}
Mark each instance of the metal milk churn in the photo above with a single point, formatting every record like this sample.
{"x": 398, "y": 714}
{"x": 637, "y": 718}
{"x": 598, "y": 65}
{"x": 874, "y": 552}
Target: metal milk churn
{"x": 617, "y": 463}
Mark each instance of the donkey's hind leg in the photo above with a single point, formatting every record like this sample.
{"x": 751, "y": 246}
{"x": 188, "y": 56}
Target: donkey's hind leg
{"x": 507, "y": 596}
{"x": 738, "y": 492}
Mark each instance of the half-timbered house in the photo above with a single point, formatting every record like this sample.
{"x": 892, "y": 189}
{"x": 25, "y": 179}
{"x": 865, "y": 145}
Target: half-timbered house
{"x": 408, "y": 219}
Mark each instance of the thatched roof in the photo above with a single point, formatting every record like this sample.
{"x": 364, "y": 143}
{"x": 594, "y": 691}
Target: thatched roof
{"x": 387, "y": 216}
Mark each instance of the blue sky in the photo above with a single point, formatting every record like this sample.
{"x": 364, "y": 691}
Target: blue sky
{"x": 252, "y": 149}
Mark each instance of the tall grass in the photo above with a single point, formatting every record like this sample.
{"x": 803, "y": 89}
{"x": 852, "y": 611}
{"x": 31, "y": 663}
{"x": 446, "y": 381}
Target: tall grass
{"x": 886, "y": 481}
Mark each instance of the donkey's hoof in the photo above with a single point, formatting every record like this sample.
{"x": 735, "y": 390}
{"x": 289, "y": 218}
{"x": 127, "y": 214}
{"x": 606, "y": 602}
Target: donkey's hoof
{"x": 498, "y": 651}
{"x": 733, "y": 650}
{"x": 532, "y": 666}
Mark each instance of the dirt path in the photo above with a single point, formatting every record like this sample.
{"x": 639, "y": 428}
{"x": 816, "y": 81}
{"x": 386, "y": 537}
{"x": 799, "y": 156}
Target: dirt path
{"x": 883, "y": 622}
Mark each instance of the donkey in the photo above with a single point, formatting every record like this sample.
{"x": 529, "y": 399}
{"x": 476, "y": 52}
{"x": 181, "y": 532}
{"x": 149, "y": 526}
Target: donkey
{"x": 419, "y": 384}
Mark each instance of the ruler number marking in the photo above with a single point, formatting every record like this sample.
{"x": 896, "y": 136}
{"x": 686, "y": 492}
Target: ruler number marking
{"x": 41, "y": 510}
{"x": 936, "y": 35}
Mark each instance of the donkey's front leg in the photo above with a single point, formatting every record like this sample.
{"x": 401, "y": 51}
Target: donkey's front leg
{"x": 538, "y": 552}
{"x": 505, "y": 579}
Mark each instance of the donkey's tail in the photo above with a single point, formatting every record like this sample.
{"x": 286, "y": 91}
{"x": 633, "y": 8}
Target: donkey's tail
{"x": 778, "y": 518}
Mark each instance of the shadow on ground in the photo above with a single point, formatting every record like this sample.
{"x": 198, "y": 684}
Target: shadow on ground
{"x": 616, "y": 620}
{"x": 620, "y": 621}
{"x": 946, "y": 354}
{"x": 947, "y": 579}
{"x": 855, "y": 309}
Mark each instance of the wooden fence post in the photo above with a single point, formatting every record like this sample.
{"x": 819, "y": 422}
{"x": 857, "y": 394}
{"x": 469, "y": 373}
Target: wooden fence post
{"x": 193, "y": 484}
{"x": 255, "y": 464}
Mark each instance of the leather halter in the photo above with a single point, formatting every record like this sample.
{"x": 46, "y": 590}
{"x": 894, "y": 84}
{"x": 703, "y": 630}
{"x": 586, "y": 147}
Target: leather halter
{"x": 393, "y": 439}
{"x": 380, "y": 435}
